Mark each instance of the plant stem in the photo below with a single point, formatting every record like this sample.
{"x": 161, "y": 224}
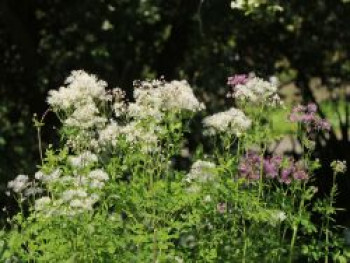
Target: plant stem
{"x": 328, "y": 215}
{"x": 292, "y": 243}
{"x": 245, "y": 242}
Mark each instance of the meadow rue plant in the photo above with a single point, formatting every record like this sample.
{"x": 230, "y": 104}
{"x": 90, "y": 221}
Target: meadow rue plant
{"x": 113, "y": 192}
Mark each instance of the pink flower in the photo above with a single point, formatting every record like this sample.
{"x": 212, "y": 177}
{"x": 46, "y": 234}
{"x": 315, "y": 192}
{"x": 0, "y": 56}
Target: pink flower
{"x": 307, "y": 116}
{"x": 237, "y": 79}
{"x": 312, "y": 108}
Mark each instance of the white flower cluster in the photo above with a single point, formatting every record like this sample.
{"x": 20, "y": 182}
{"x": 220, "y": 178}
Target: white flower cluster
{"x": 134, "y": 133}
{"x": 119, "y": 105}
{"x": 81, "y": 187}
{"x": 19, "y": 184}
{"x": 83, "y": 160}
{"x": 152, "y": 98}
{"x": 42, "y": 203}
{"x": 22, "y": 185}
{"x": 257, "y": 91}
{"x": 53, "y": 177}
{"x": 277, "y": 217}
{"x": 108, "y": 136}
{"x": 85, "y": 117}
{"x": 79, "y": 104}
{"x": 82, "y": 89}
{"x": 97, "y": 178}
{"x": 71, "y": 202}
{"x": 201, "y": 171}
{"x": 82, "y": 104}
{"x": 137, "y": 134}
{"x": 232, "y": 121}
{"x": 339, "y": 166}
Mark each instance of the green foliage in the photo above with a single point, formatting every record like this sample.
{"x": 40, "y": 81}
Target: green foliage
{"x": 149, "y": 210}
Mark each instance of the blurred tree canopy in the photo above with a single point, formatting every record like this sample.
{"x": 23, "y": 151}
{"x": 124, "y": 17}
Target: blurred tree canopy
{"x": 203, "y": 41}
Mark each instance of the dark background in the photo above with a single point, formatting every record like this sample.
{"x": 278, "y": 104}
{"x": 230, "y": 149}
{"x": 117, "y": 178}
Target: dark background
{"x": 204, "y": 41}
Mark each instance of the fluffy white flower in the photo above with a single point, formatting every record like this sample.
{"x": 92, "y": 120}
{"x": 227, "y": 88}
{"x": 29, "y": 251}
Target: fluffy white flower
{"x": 86, "y": 116}
{"x": 32, "y": 190}
{"x": 98, "y": 178}
{"x": 52, "y": 177}
{"x": 42, "y": 203}
{"x": 201, "y": 171}
{"x": 257, "y": 91}
{"x": 77, "y": 203}
{"x": 96, "y": 184}
{"x": 20, "y": 183}
{"x": 109, "y": 134}
{"x": 152, "y": 98}
{"x": 278, "y": 216}
{"x": 39, "y": 175}
{"x": 232, "y": 121}
{"x": 84, "y": 159}
{"x": 81, "y": 88}
{"x": 339, "y": 166}
{"x": 73, "y": 193}
{"x": 83, "y": 204}
{"x": 179, "y": 95}
{"x": 136, "y": 134}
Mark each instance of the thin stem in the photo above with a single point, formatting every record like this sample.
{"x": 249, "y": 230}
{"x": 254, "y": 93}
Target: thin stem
{"x": 292, "y": 243}
{"x": 295, "y": 227}
{"x": 40, "y": 145}
{"x": 328, "y": 215}
{"x": 245, "y": 242}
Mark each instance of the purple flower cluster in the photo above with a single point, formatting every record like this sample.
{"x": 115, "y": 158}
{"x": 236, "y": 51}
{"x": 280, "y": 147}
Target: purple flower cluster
{"x": 253, "y": 165}
{"x": 237, "y": 79}
{"x": 307, "y": 115}
{"x": 249, "y": 167}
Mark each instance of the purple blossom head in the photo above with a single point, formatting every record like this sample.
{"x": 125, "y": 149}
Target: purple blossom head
{"x": 300, "y": 175}
{"x": 312, "y": 108}
{"x": 323, "y": 125}
{"x": 249, "y": 166}
{"x": 237, "y": 79}
{"x": 307, "y": 116}
{"x": 293, "y": 117}
{"x": 298, "y": 109}
{"x": 272, "y": 166}
{"x": 286, "y": 176}
{"x": 299, "y": 172}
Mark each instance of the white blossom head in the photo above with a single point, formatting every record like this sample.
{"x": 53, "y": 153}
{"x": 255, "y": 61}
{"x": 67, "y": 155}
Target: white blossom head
{"x": 232, "y": 121}
{"x": 108, "y": 135}
{"x": 42, "y": 203}
{"x": 201, "y": 171}
{"x": 153, "y": 98}
{"x": 80, "y": 88}
{"x": 19, "y": 184}
{"x": 84, "y": 159}
{"x": 255, "y": 91}
{"x": 339, "y": 166}
{"x": 86, "y": 116}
